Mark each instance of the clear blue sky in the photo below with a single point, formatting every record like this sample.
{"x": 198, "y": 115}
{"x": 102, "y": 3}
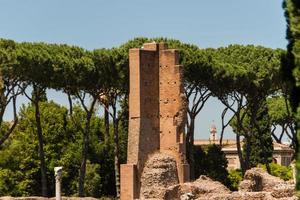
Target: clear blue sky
{"x": 98, "y": 23}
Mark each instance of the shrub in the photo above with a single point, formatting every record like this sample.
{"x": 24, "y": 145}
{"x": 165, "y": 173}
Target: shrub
{"x": 280, "y": 171}
{"x": 211, "y": 162}
{"x": 235, "y": 177}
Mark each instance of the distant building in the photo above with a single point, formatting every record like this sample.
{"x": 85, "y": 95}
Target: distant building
{"x": 213, "y": 133}
{"x": 282, "y": 153}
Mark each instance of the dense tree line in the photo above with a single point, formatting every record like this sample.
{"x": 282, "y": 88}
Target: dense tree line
{"x": 20, "y": 174}
{"x": 291, "y": 67}
{"x": 241, "y": 77}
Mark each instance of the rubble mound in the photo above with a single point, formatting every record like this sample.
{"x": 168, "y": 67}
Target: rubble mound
{"x": 159, "y": 173}
{"x": 160, "y": 182}
{"x": 257, "y": 179}
{"x": 246, "y": 196}
{"x": 45, "y": 198}
{"x": 257, "y": 185}
{"x": 204, "y": 186}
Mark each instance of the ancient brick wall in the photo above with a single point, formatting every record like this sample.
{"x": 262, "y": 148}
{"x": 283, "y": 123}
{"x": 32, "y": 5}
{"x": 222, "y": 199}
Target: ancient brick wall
{"x": 172, "y": 110}
{"x": 156, "y": 114}
{"x": 143, "y": 138}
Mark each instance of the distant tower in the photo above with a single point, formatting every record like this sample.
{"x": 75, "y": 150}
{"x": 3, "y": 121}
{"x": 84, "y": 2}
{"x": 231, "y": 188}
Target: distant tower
{"x": 213, "y": 132}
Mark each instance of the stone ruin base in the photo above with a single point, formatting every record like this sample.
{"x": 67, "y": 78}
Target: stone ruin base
{"x": 206, "y": 189}
{"x": 51, "y": 198}
{"x": 159, "y": 182}
{"x": 159, "y": 173}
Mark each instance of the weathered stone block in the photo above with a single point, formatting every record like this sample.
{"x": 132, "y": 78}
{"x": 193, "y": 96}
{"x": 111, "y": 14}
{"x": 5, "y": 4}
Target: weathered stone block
{"x": 129, "y": 182}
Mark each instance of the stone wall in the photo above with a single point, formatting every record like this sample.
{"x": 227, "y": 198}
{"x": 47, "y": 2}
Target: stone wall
{"x": 157, "y": 110}
{"x": 172, "y": 110}
{"x": 52, "y": 198}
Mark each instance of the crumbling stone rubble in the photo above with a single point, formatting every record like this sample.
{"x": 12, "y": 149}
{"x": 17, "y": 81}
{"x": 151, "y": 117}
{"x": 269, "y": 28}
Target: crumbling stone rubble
{"x": 203, "y": 186}
{"x": 159, "y": 181}
{"x": 160, "y": 172}
{"x": 257, "y": 179}
{"x": 45, "y": 198}
{"x": 257, "y": 185}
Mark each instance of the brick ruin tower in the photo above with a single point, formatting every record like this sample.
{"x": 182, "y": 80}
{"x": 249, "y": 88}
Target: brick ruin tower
{"x": 157, "y": 114}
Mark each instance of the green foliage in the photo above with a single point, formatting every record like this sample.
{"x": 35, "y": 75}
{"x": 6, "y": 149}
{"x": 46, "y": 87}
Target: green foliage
{"x": 256, "y": 130}
{"x": 93, "y": 186}
{"x": 278, "y": 110}
{"x": 291, "y": 66}
{"x": 211, "y": 162}
{"x": 200, "y": 161}
{"x": 246, "y": 69}
{"x": 123, "y": 133}
{"x": 298, "y": 154}
{"x": 3, "y": 129}
{"x": 259, "y": 144}
{"x": 280, "y": 171}
{"x": 19, "y": 164}
{"x": 292, "y": 12}
{"x": 235, "y": 177}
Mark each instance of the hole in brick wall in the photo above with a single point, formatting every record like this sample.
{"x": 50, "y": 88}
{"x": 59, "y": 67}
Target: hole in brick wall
{"x": 160, "y": 66}
{"x": 169, "y": 131}
{"x": 160, "y": 83}
{"x": 166, "y": 66}
{"x": 174, "y": 99}
{"x": 174, "y": 82}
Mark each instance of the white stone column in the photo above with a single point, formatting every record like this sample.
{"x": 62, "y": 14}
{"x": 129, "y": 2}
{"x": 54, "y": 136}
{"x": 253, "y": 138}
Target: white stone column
{"x": 57, "y": 173}
{"x": 294, "y": 172}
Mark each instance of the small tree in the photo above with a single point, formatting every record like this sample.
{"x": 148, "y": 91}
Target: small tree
{"x": 212, "y": 163}
{"x": 258, "y": 146}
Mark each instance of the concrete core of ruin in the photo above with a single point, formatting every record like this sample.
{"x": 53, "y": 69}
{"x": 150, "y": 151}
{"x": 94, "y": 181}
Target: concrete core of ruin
{"x": 157, "y": 114}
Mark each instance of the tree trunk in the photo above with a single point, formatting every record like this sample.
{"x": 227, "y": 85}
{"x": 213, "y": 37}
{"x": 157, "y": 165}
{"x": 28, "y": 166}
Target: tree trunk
{"x": 116, "y": 152}
{"x": 247, "y": 153}
{"x": 224, "y": 125}
{"x": 41, "y": 149}
{"x": 7, "y": 134}
{"x": 106, "y": 123}
{"x": 188, "y": 144}
{"x": 281, "y": 134}
{"x": 295, "y": 143}
{"x": 84, "y": 155}
{"x": 221, "y": 137}
{"x": 190, "y": 140}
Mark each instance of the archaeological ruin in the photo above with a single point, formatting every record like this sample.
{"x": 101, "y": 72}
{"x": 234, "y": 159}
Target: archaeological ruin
{"x": 156, "y": 165}
{"x": 157, "y": 111}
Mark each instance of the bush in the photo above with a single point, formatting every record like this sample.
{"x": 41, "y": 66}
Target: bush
{"x": 235, "y": 177}
{"x": 211, "y": 162}
{"x": 280, "y": 171}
